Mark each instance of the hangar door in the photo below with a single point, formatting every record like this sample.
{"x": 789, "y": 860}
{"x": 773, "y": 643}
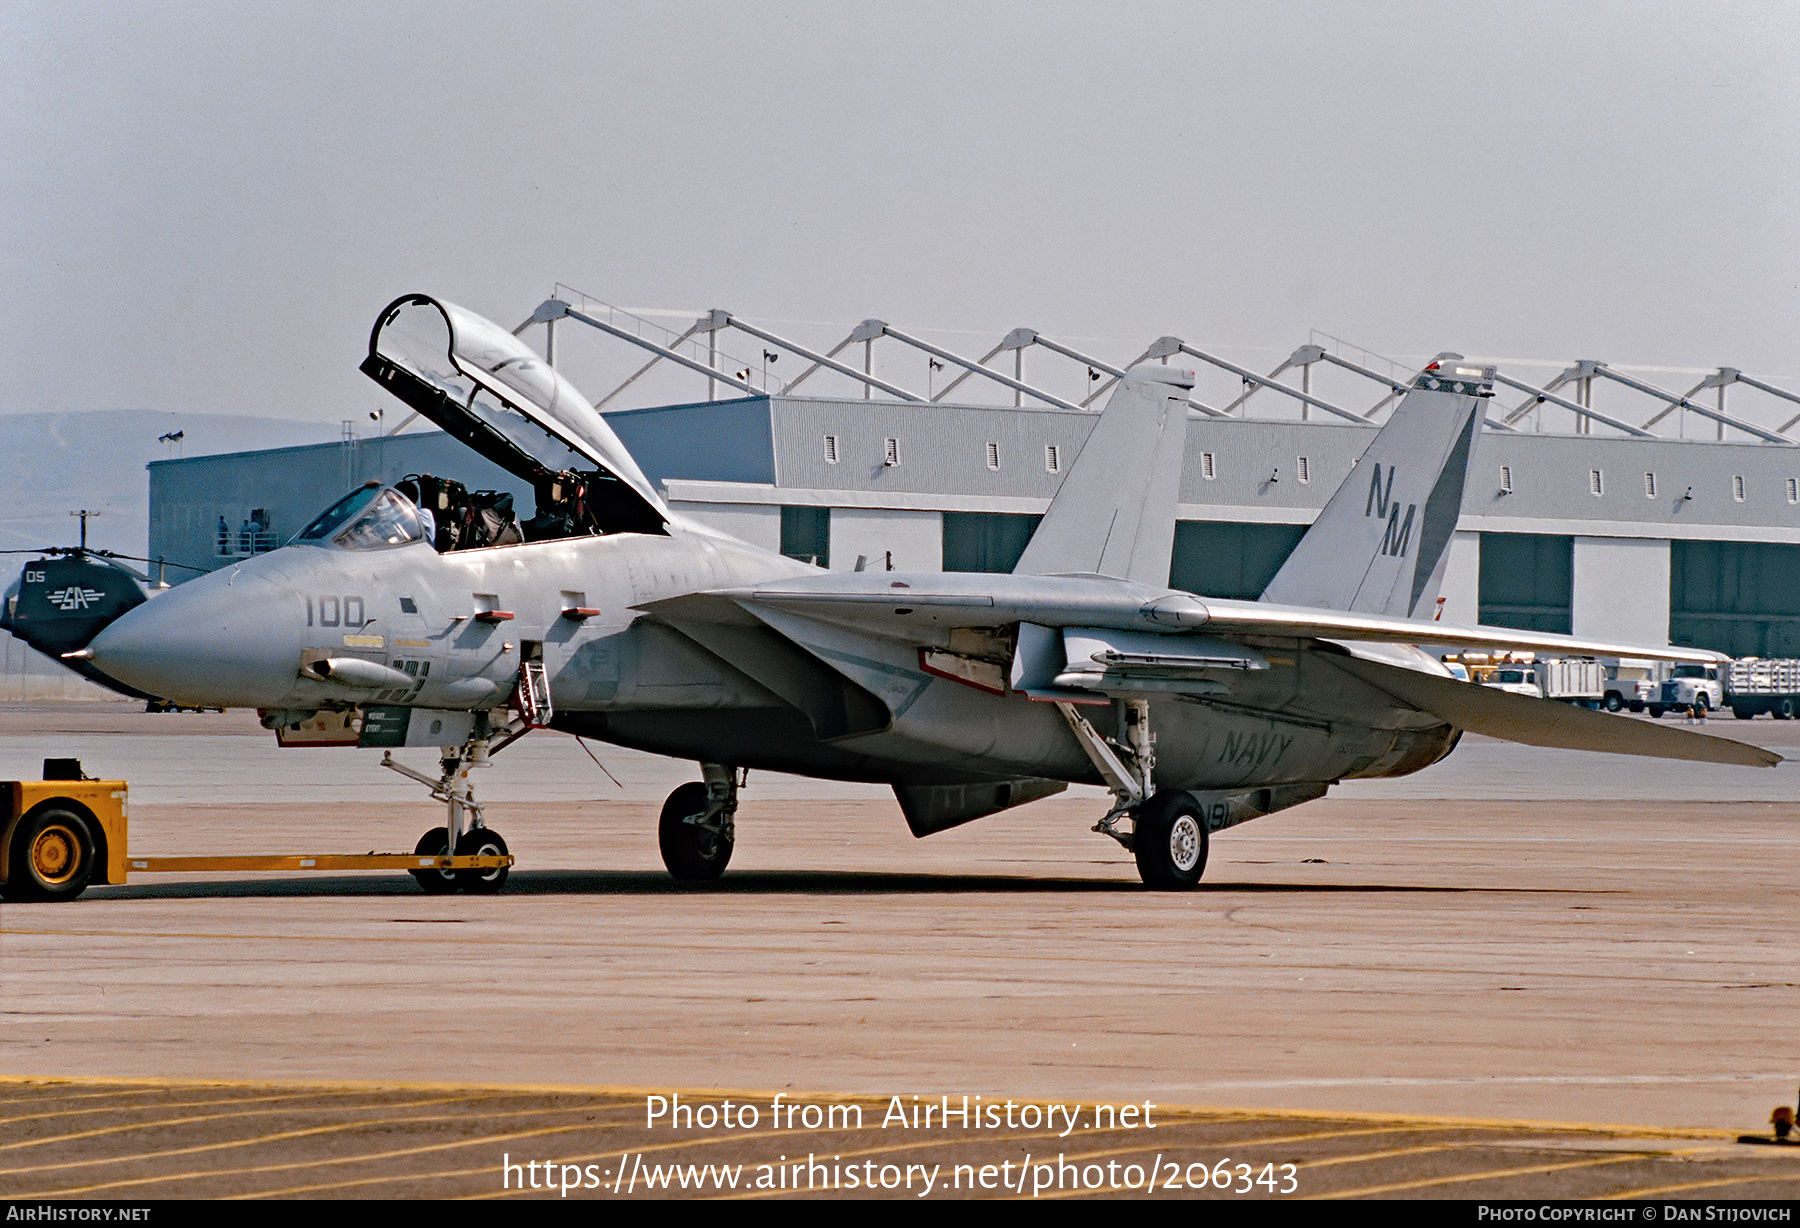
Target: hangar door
{"x": 986, "y": 541}
{"x": 1223, "y": 559}
{"x": 1527, "y": 581}
{"x": 1737, "y": 597}
{"x": 1212, "y": 558}
{"x": 806, "y": 534}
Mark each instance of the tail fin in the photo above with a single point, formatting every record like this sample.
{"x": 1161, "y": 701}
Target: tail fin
{"x": 1381, "y": 543}
{"x": 1115, "y": 513}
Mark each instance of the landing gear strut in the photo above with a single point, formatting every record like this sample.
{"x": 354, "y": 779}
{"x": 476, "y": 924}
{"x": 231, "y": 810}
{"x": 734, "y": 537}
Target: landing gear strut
{"x": 464, "y": 833}
{"x": 696, "y": 830}
{"x": 1168, "y": 836}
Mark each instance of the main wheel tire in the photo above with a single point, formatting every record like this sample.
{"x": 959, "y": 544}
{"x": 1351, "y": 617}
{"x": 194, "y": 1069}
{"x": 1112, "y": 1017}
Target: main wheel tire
{"x": 434, "y": 843}
{"x": 1614, "y": 701}
{"x": 1784, "y": 711}
{"x": 52, "y": 856}
{"x": 1702, "y": 704}
{"x": 1169, "y": 841}
{"x": 481, "y": 842}
{"x": 688, "y": 850}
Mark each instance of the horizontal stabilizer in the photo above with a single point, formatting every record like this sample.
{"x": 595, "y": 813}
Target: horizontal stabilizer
{"x": 1263, "y": 618}
{"x": 1544, "y": 722}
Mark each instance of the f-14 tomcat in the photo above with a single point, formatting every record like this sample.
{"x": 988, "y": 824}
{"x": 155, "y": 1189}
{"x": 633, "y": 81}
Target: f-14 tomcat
{"x": 608, "y": 616}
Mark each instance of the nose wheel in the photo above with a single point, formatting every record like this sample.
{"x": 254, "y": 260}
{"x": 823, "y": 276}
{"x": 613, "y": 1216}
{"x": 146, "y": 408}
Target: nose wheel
{"x": 434, "y": 882}
{"x": 476, "y": 842}
{"x": 463, "y": 834}
{"x": 481, "y": 842}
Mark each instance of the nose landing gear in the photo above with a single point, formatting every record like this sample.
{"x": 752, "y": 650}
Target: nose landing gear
{"x": 474, "y": 841}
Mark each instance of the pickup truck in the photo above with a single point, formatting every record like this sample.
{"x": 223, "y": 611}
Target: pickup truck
{"x": 1631, "y": 685}
{"x": 1515, "y": 680}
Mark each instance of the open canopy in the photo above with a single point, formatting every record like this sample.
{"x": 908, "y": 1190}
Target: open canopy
{"x": 489, "y": 389}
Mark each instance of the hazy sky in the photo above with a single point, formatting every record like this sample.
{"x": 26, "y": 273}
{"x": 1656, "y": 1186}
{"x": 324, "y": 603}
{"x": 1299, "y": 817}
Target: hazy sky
{"x": 206, "y": 204}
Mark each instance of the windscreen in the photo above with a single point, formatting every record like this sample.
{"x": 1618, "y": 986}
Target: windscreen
{"x": 367, "y": 519}
{"x": 332, "y": 518}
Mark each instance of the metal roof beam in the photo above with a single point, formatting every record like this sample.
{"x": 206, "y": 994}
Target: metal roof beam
{"x": 1581, "y": 370}
{"x": 1674, "y": 404}
{"x": 1682, "y": 402}
{"x": 1728, "y": 375}
{"x": 1020, "y": 338}
{"x": 825, "y": 360}
{"x": 547, "y": 311}
{"x": 973, "y": 367}
{"x": 1540, "y": 395}
{"x": 1731, "y": 375}
{"x": 1252, "y": 377}
{"x": 671, "y": 355}
{"x": 1251, "y": 390}
{"x": 1096, "y": 394}
{"x": 645, "y": 369}
{"x": 1115, "y": 374}
{"x": 1398, "y": 389}
{"x": 985, "y": 359}
{"x": 833, "y": 352}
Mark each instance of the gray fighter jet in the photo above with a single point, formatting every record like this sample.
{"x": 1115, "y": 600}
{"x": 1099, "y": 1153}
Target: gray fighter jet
{"x": 413, "y": 615}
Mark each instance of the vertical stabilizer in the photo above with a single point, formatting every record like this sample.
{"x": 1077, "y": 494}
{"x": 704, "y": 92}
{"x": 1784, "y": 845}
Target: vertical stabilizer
{"x": 1115, "y": 513}
{"x": 1380, "y": 545}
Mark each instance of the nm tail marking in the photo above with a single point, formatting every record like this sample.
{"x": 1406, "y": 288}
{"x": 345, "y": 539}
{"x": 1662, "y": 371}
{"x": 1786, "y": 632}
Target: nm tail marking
{"x": 1398, "y": 532}
{"x": 1378, "y": 498}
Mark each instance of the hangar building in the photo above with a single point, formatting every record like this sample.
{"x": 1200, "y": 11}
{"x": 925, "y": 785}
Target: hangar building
{"x": 1609, "y": 529}
{"x": 1643, "y": 540}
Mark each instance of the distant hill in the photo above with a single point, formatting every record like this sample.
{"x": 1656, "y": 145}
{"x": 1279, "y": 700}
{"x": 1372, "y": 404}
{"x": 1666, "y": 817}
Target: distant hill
{"x": 54, "y": 464}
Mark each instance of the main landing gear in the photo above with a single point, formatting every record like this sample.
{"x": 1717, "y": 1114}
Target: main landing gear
{"x": 696, "y": 830}
{"x": 464, "y": 832}
{"x": 1168, "y": 836}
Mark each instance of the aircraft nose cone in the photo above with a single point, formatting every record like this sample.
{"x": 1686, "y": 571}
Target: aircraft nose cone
{"x": 217, "y": 641}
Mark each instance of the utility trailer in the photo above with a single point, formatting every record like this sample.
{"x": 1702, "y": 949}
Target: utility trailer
{"x": 1754, "y": 685}
{"x": 64, "y": 832}
{"x": 1579, "y": 682}
{"x": 1572, "y": 682}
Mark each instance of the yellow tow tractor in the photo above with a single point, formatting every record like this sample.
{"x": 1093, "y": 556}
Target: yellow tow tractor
{"x": 61, "y": 833}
